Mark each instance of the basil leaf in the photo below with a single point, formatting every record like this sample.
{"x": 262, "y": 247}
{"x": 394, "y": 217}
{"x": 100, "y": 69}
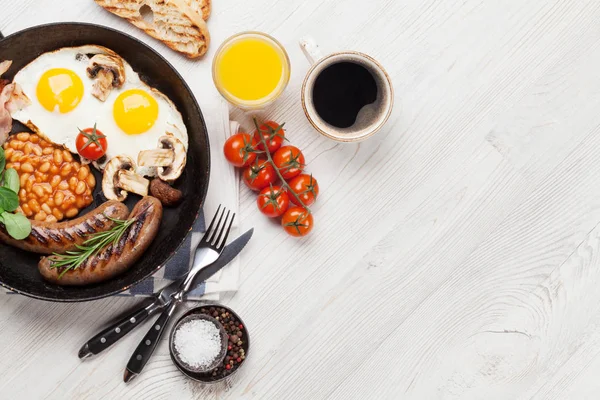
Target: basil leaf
{"x": 17, "y": 225}
{"x": 9, "y": 200}
{"x": 11, "y": 180}
{"x": 2, "y": 160}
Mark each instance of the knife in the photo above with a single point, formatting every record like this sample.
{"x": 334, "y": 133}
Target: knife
{"x": 132, "y": 319}
{"x": 211, "y": 248}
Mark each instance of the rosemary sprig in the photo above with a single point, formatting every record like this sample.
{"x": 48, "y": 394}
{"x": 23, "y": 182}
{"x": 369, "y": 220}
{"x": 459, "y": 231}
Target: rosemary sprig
{"x": 73, "y": 259}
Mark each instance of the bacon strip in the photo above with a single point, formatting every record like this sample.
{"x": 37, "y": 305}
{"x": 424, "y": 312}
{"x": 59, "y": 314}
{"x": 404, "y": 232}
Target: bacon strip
{"x": 18, "y": 100}
{"x": 12, "y": 99}
{"x": 5, "y": 118}
{"x": 4, "y": 66}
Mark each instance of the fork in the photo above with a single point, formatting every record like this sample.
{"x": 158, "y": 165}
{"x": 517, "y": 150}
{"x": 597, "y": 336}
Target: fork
{"x": 209, "y": 249}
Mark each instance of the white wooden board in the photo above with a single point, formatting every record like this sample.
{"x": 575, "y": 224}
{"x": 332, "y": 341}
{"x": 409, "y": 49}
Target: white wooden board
{"x": 455, "y": 254}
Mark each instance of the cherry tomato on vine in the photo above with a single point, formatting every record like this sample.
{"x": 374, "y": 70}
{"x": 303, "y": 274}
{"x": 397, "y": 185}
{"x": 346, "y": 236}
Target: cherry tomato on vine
{"x": 273, "y": 201}
{"x": 240, "y": 149}
{"x": 297, "y": 221}
{"x": 273, "y": 133}
{"x": 91, "y": 143}
{"x": 289, "y": 160}
{"x": 259, "y": 175}
{"x": 306, "y": 187}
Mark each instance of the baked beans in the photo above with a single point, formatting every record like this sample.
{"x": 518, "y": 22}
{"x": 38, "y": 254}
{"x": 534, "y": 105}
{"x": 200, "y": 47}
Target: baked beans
{"x": 53, "y": 184}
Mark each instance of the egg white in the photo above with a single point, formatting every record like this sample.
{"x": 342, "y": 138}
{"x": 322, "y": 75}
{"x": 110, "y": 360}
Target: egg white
{"x": 62, "y": 129}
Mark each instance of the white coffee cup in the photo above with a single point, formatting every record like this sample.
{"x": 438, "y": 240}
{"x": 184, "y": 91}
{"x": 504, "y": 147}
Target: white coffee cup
{"x": 370, "y": 118}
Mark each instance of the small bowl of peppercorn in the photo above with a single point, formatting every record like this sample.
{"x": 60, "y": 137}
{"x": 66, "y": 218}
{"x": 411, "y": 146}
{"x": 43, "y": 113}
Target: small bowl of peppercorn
{"x": 194, "y": 343}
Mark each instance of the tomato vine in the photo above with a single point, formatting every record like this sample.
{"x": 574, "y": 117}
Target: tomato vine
{"x": 270, "y": 161}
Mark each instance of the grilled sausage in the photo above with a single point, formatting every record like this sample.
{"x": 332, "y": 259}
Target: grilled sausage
{"x": 112, "y": 260}
{"x": 167, "y": 194}
{"x": 59, "y": 237}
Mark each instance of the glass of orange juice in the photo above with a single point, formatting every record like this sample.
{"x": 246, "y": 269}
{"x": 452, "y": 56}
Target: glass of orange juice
{"x": 251, "y": 69}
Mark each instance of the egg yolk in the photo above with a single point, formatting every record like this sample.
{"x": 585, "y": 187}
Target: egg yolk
{"x": 135, "y": 111}
{"x": 59, "y": 87}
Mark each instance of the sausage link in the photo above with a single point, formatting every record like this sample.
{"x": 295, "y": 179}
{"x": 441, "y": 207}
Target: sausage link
{"x": 59, "y": 237}
{"x": 113, "y": 260}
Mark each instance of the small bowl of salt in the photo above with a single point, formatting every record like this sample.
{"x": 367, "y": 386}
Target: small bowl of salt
{"x": 198, "y": 343}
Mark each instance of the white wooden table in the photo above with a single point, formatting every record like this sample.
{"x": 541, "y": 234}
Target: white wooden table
{"x": 456, "y": 253}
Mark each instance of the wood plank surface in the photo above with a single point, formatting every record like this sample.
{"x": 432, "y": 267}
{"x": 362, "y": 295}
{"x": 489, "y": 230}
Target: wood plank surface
{"x": 455, "y": 254}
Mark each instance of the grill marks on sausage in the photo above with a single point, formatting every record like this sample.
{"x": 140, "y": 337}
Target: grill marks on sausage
{"x": 53, "y": 235}
{"x": 66, "y": 235}
{"x": 59, "y": 237}
{"x": 129, "y": 237}
{"x": 92, "y": 262}
{"x": 115, "y": 258}
{"x": 43, "y": 234}
{"x": 88, "y": 227}
{"x": 136, "y": 227}
{"x": 79, "y": 232}
{"x": 38, "y": 236}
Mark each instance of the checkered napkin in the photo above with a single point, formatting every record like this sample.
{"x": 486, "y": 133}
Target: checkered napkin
{"x": 223, "y": 189}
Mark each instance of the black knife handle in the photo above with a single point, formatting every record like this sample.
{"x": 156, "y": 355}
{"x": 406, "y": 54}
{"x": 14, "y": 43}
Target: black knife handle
{"x": 118, "y": 330}
{"x": 144, "y": 351}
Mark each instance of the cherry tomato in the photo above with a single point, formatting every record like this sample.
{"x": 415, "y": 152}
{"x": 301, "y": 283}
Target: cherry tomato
{"x": 273, "y": 201}
{"x": 240, "y": 149}
{"x": 259, "y": 175}
{"x": 306, "y": 187}
{"x": 297, "y": 221}
{"x": 289, "y": 160}
{"x": 91, "y": 143}
{"x": 273, "y": 133}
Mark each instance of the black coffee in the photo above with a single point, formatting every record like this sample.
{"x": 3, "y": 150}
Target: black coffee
{"x": 341, "y": 91}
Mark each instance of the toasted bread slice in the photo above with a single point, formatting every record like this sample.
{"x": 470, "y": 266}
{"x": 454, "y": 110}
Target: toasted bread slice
{"x": 180, "y": 24}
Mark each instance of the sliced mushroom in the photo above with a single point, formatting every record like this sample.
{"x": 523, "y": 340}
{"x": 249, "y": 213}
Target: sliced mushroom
{"x": 156, "y": 158}
{"x": 132, "y": 182}
{"x": 108, "y": 71}
{"x": 169, "y": 158}
{"x": 120, "y": 177}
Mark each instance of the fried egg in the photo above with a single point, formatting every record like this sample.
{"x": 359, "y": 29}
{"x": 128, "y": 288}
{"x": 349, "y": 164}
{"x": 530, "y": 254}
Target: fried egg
{"x": 133, "y": 117}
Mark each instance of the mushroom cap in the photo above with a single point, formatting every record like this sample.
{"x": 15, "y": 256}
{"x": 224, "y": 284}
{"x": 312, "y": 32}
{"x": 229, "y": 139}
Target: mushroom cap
{"x": 172, "y": 172}
{"x": 107, "y": 62}
{"x": 110, "y": 177}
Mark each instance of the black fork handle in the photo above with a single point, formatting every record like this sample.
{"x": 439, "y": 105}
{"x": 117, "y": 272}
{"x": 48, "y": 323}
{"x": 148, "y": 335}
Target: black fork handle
{"x": 119, "y": 329}
{"x": 145, "y": 349}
